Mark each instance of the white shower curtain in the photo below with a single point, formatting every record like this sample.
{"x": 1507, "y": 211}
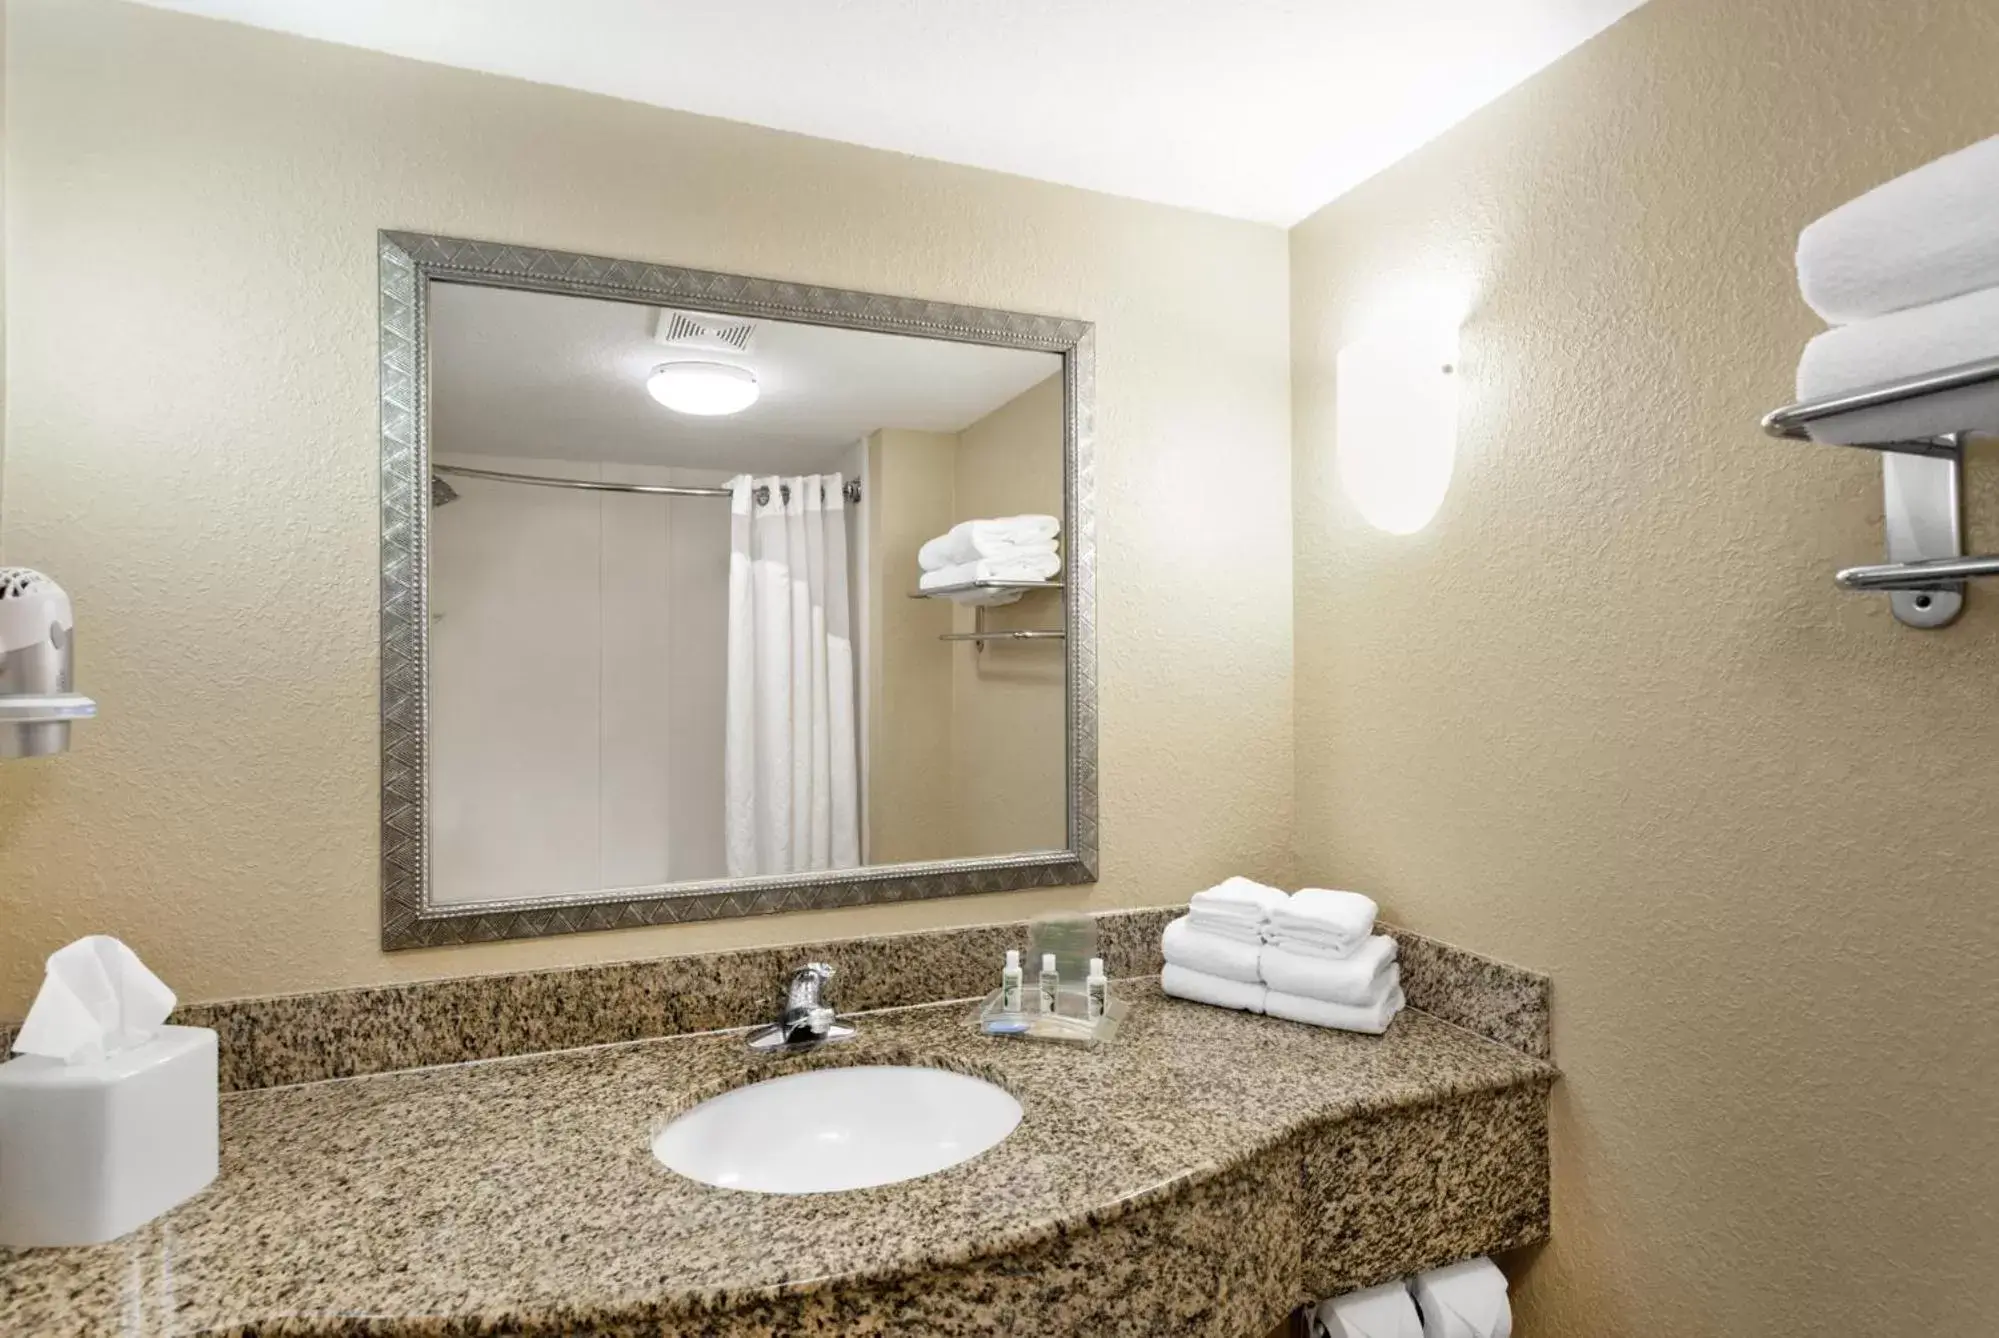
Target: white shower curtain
{"x": 792, "y": 773}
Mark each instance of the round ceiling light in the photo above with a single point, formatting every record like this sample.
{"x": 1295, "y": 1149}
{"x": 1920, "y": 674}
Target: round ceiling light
{"x": 705, "y": 388}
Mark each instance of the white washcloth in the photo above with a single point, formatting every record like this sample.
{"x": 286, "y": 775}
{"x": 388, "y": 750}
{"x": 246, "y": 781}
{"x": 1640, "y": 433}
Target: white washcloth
{"x": 1379, "y": 1312}
{"x": 1323, "y": 918}
{"x": 1908, "y": 343}
{"x": 1199, "y": 986}
{"x": 1243, "y": 898}
{"x": 1926, "y": 236}
{"x": 1373, "y": 1018}
{"x": 1354, "y": 979}
{"x": 1466, "y": 1300}
{"x": 1228, "y": 926}
{"x": 1184, "y": 945}
{"x": 970, "y": 540}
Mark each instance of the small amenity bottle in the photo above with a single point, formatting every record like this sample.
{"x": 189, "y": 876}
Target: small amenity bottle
{"x": 1050, "y": 982}
{"x": 1098, "y": 988}
{"x": 1010, "y": 982}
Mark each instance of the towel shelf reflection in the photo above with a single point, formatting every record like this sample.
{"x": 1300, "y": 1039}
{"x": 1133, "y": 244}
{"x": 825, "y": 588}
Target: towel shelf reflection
{"x": 967, "y": 587}
{"x": 1922, "y": 490}
{"x": 1011, "y": 634}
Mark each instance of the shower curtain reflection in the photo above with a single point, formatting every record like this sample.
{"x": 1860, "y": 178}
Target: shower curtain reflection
{"x": 792, "y": 772}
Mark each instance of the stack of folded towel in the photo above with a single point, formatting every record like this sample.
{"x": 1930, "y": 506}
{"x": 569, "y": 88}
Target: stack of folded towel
{"x": 1324, "y": 964}
{"x": 1213, "y": 952}
{"x": 1313, "y": 957}
{"x": 1908, "y": 276}
{"x": 1008, "y": 548}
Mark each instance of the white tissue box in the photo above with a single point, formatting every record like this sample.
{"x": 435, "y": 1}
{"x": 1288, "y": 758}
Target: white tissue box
{"x": 91, "y": 1151}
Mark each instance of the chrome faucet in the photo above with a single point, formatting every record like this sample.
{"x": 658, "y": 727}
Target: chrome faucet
{"x": 807, "y": 1020}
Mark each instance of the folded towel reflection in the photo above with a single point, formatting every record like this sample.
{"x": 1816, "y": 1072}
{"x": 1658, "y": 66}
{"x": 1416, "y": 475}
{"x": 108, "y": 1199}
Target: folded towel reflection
{"x": 1379, "y": 1312}
{"x": 1023, "y": 567}
{"x": 1005, "y": 536}
{"x": 1355, "y": 979}
{"x": 1924, "y": 237}
{"x": 1200, "y": 987}
{"x": 1319, "y": 918}
{"x": 1212, "y": 954}
{"x": 1372, "y": 1018}
{"x": 1907, "y": 343}
{"x": 1464, "y": 1300}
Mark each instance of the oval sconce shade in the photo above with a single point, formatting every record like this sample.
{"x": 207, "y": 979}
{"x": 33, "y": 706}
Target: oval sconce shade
{"x": 1397, "y": 424}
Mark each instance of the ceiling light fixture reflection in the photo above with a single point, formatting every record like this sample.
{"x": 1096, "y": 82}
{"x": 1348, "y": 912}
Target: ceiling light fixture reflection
{"x": 705, "y": 388}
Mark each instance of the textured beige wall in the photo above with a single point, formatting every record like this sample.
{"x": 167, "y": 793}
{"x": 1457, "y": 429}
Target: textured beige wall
{"x": 912, "y": 478}
{"x": 1009, "y": 757}
{"x": 192, "y": 447}
{"x": 1607, "y": 716}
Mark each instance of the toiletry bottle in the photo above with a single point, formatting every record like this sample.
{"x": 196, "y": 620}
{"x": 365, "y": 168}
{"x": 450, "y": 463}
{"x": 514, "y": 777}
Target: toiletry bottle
{"x": 1010, "y": 982}
{"x": 1050, "y": 982}
{"x": 1099, "y": 989}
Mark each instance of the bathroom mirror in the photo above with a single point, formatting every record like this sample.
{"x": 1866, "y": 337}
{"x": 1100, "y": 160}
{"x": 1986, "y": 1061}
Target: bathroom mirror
{"x": 708, "y": 596}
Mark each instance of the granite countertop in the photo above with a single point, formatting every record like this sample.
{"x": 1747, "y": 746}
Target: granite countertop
{"x": 521, "y": 1196}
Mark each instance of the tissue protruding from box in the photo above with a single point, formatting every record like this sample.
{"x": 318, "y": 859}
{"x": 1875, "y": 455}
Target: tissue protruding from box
{"x": 97, "y": 998}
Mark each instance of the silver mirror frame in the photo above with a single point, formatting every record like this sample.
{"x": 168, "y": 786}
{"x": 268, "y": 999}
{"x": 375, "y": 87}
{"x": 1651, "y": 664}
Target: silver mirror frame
{"x": 409, "y": 919}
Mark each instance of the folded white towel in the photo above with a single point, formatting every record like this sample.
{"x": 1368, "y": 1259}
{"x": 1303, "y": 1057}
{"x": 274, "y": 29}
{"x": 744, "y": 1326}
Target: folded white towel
{"x": 970, "y": 540}
{"x": 1242, "y": 897}
{"x": 1024, "y": 567}
{"x": 1926, "y": 236}
{"x": 1184, "y": 983}
{"x": 1465, "y": 1300}
{"x": 1379, "y": 1312}
{"x": 1340, "y": 921}
{"x": 1355, "y": 979}
{"x": 1228, "y": 927}
{"x": 1184, "y": 945}
{"x": 1373, "y": 1019}
{"x": 1907, "y": 343}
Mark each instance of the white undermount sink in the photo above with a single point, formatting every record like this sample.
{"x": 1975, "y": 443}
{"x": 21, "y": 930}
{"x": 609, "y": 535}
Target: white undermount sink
{"x": 840, "y": 1128}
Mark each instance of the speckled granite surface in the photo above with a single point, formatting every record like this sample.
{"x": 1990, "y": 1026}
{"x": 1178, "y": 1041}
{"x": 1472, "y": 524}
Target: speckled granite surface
{"x": 308, "y": 1037}
{"x": 1198, "y": 1178}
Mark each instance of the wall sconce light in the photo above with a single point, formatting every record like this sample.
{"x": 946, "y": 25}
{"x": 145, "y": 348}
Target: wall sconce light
{"x": 1397, "y": 423}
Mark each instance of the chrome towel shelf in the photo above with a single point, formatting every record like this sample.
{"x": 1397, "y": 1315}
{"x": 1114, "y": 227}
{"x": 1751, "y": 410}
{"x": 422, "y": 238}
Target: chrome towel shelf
{"x": 1022, "y": 634}
{"x": 1922, "y": 482}
{"x": 982, "y": 636}
{"x": 968, "y": 587}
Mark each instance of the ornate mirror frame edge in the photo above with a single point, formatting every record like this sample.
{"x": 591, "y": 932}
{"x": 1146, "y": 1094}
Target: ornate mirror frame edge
{"x": 407, "y": 260}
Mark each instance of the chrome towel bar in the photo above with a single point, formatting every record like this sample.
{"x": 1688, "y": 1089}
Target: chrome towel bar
{"x": 1922, "y": 481}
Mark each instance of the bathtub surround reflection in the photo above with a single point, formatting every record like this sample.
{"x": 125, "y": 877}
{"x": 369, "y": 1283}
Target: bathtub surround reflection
{"x": 677, "y": 664}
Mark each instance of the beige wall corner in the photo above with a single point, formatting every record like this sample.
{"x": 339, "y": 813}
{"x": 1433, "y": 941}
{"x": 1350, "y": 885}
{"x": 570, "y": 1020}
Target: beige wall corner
{"x": 195, "y": 204}
{"x": 1607, "y": 715}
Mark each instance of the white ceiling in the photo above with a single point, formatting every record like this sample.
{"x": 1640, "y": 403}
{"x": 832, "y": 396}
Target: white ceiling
{"x": 1259, "y": 109}
{"x": 544, "y": 376}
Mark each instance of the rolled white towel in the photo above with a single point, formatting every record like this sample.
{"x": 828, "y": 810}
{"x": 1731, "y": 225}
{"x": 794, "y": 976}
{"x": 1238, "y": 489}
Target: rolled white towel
{"x": 1379, "y": 1312}
{"x": 1923, "y": 237}
{"x": 1464, "y": 1300}
{"x": 1371, "y": 1018}
{"x": 1184, "y": 945}
{"x": 1908, "y": 343}
{"x": 1200, "y": 987}
{"x": 1355, "y": 979}
{"x": 970, "y": 540}
{"x": 1318, "y": 916}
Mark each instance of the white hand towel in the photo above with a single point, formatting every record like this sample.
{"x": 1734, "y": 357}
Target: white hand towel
{"x": 1355, "y": 979}
{"x": 1466, "y": 1300}
{"x": 1199, "y": 986}
{"x": 1184, "y": 945}
{"x": 1908, "y": 343}
{"x": 1372, "y": 1019}
{"x": 1242, "y": 897}
{"x": 1229, "y": 927}
{"x": 1379, "y": 1312}
{"x": 1341, "y": 921}
{"x": 1923, "y": 237}
{"x": 970, "y": 540}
